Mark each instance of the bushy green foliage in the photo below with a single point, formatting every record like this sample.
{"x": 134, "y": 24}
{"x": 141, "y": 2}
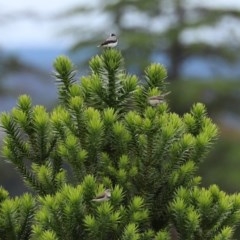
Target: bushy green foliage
{"x": 105, "y": 134}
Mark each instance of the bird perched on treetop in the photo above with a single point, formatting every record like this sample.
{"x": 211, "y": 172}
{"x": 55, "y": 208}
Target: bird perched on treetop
{"x": 110, "y": 42}
{"x": 105, "y": 196}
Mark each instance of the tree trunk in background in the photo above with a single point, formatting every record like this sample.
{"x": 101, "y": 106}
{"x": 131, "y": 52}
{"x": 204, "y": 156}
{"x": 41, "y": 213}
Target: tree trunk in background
{"x": 176, "y": 58}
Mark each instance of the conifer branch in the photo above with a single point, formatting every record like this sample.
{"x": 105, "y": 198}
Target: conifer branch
{"x": 113, "y": 134}
{"x": 64, "y": 74}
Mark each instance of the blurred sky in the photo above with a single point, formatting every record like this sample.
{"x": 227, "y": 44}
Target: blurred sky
{"x": 37, "y": 31}
{"x": 34, "y": 29}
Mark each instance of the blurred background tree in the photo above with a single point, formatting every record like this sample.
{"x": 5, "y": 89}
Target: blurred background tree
{"x": 10, "y": 62}
{"x": 172, "y": 31}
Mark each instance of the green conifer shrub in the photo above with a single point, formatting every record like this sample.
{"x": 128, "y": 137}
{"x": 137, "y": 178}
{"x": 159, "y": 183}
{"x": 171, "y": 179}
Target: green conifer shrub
{"x": 104, "y": 134}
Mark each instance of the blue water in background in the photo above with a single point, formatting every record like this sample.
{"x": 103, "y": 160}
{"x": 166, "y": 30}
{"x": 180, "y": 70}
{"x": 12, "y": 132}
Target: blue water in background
{"x": 42, "y": 58}
{"x": 40, "y": 86}
{"x": 43, "y": 90}
{"x": 194, "y": 67}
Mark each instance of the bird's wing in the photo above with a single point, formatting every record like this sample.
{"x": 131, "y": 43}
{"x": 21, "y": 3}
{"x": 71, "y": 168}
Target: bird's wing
{"x": 101, "y": 195}
{"x": 159, "y": 97}
{"x": 156, "y": 98}
{"x": 111, "y": 39}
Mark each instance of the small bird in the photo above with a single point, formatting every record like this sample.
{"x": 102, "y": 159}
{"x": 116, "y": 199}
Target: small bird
{"x": 105, "y": 196}
{"x": 110, "y": 42}
{"x": 156, "y": 100}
